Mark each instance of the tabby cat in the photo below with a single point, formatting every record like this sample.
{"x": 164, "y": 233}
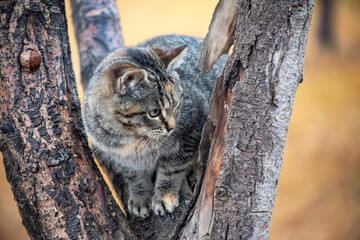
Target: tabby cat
{"x": 144, "y": 110}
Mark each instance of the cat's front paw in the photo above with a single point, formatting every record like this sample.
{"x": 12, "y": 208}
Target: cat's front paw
{"x": 139, "y": 206}
{"x": 169, "y": 201}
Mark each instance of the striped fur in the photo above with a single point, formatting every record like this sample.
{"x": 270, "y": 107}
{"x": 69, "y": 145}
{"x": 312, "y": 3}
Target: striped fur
{"x": 143, "y": 111}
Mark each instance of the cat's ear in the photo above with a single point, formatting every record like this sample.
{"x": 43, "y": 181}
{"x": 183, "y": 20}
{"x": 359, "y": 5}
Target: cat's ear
{"x": 112, "y": 75}
{"x": 170, "y": 54}
{"x": 130, "y": 80}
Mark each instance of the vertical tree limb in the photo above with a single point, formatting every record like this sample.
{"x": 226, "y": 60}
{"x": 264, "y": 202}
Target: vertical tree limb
{"x": 59, "y": 191}
{"x": 249, "y": 118}
{"x": 98, "y": 32}
{"x": 326, "y": 28}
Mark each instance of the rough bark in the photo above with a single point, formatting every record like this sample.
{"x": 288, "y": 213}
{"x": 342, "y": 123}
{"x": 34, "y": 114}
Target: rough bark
{"x": 249, "y": 117}
{"x": 97, "y": 31}
{"x": 59, "y": 191}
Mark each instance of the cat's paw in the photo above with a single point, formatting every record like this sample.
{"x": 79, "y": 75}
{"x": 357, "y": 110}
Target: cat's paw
{"x": 139, "y": 206}
{"x": 169, "y": 201}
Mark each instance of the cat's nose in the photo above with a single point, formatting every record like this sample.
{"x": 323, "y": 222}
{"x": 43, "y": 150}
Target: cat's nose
{"x": 170, "y": 124}
{"x": 169, "y": 127}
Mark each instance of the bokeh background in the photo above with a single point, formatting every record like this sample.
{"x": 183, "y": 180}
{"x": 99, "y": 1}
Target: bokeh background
{"x": 319, "y": 190}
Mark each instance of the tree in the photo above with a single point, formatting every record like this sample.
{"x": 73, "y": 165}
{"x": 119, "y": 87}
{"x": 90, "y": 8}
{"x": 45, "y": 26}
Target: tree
{"x": 326, "y": 29}
{"x": 60, "y": 192}
{"x": 58, "y": 188}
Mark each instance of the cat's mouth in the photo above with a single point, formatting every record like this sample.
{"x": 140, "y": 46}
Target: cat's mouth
{"x": 159, "y": 132}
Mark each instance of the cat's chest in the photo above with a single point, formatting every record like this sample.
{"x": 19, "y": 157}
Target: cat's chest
{"x": 138, "y": 154}
{"x": 135, "y": 146}
{"x": 143, "y": 154}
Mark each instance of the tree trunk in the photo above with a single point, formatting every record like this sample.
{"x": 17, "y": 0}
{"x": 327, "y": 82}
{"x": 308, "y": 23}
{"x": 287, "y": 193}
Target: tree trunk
{"x": 326, "y": 28}
{"x": 59, "y": 191}
{"x": 249, "y": 118}
{"x": 61, "y": 194}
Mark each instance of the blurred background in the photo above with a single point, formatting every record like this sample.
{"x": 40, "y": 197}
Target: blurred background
{"x": 319, "y": 190}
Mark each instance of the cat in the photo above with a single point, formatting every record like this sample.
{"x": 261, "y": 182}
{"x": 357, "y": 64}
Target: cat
{"x": 143, "y": 111}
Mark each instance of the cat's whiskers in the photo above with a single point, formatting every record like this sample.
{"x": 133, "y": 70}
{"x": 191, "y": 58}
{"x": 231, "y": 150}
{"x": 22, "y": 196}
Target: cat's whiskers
{"x": 157, "y": 133}
{"x": 142, "y": 146}
{"x": 139, "y": 147}
{"x": 133, "y": 145}
{"x": 149, "y": 142}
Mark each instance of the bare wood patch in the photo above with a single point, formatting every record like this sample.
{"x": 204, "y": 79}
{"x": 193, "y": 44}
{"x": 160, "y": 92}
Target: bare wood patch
{"x": 221, "y": 34}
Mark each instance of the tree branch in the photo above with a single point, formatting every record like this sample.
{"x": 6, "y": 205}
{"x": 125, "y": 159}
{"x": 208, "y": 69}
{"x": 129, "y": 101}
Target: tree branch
{"x": 98, "y": 33}
{"x": 221, "y": 34}
{"x": 59, "y": 191}
{"x": 249, "y": 117}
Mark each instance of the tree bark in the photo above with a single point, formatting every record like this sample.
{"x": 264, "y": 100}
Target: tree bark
{"x": 249, "y": 118}
{"x": 59, "y": 191}
{"x": 98, "y": 33}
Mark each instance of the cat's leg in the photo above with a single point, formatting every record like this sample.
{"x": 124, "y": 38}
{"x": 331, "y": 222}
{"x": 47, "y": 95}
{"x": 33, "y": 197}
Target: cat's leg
{"x": 170, "y": 175}
{"x": 140, "y": 191}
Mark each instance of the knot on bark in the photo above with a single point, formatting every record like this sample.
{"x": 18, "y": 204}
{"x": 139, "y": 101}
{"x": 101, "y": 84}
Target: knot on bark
{"x": 30, "y": 59}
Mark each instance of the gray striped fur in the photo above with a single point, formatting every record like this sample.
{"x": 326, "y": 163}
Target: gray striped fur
{"x": 152, "y": 158}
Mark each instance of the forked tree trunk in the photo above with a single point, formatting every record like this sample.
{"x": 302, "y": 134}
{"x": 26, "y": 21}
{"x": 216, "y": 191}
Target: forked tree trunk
{"x": 59, "y": 191}
{"x": 58, "y": 188}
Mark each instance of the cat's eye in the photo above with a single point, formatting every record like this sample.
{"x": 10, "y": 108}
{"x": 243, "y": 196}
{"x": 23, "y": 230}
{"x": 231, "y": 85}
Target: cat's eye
{"x": 154, "y": 112}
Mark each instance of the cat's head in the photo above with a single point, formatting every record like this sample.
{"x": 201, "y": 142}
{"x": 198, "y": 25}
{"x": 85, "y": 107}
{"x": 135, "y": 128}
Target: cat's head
{"x": 143, "y": 96}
